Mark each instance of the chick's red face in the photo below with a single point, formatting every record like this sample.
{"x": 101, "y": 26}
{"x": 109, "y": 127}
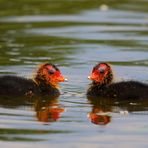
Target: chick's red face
{"x": 99, "y": 73}
{"x": 52, "y": 75}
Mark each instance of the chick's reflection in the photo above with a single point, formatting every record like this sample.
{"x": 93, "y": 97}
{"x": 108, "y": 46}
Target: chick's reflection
{"x": 99, "y": 117}
{"x": 48, "y": 110}
{"x": 100, "y": 112}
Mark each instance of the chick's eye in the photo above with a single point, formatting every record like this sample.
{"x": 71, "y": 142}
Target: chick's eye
{"x": 101, "y": 70}
{"x": 51, "y": 71}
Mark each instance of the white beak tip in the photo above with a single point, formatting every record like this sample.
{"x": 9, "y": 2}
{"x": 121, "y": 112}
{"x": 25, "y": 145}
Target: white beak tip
{"x": 88, "y": 77}
{"x": 66, "y": 79}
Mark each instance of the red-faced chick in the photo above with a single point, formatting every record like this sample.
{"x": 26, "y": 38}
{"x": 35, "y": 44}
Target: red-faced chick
{"x": 103, "y": 86}
{"x": 45, "y": 82}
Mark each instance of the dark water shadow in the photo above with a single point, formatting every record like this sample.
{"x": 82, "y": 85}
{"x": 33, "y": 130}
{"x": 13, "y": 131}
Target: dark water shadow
{"x": 102, "y": 109}
{"x": 47, "y": 110}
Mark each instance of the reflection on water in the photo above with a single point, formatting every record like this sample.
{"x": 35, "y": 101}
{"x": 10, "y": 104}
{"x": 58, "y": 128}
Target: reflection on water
{"x": 48, "y": 110}
{"x": 75, "y": 35}
{"x": 99, "y": 117}
{"x": 102, "y": 109}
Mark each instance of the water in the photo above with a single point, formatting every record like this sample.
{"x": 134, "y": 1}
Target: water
{"x": 74, "y": 35}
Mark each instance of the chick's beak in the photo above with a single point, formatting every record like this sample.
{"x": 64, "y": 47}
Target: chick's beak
{"x": 92, "y": 77}
{"x": 61, "y": 78}
{"x": 88, "y": 77}
{"x": 66, "y": 79}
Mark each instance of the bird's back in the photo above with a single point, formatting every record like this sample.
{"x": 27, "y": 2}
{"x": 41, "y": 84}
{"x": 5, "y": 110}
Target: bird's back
{"x": 13, "y": 85}
{"x": 128, "y": 90}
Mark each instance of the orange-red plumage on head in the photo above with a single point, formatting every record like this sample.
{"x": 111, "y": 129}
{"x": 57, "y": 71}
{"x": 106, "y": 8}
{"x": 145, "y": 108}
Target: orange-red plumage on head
{"x": 50, "y": 74}
{"x": 101, "y": 74}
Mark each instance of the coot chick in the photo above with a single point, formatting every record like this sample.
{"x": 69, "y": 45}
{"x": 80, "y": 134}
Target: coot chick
{"x": 45, "y": 82}
{"x": 103, "y": 86}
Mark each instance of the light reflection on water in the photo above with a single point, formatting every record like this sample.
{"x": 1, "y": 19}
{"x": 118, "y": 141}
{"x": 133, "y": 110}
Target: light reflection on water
{"x": 76, "y": 42}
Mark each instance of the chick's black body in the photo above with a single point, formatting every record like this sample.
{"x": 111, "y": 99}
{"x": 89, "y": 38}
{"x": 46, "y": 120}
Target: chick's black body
{"x": 130, "y": 90}
{"x": 18, "y": 86}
